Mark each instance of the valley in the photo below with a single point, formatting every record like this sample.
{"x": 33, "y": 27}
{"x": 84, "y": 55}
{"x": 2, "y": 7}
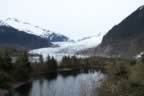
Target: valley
{"x": 37, "y": 61}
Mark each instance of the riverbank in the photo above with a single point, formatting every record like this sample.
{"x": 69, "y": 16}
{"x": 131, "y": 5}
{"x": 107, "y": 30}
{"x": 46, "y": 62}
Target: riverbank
{"x": 19, "y": 84}
{"x": 4, "y": 92}
{"x": 124, "y": 78}
{"x": 7, "y": 92}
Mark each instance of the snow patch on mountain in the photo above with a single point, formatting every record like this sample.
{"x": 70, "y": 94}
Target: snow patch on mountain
{"x": 36, "y": 30}
{"x": 2, "y": 23}
{"x": 27, "y": 27}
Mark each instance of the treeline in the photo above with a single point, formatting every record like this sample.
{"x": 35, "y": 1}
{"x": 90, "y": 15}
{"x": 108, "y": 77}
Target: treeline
{"x": 89, "y": 62}
{"x": 12, "y": 72}
{"x": 125, "y": 78}
{"x": 70, "y": 62}
{"x": 50, "y": 65}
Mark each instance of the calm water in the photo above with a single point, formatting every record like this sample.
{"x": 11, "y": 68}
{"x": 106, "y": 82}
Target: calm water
{"x": 82, "y": 84}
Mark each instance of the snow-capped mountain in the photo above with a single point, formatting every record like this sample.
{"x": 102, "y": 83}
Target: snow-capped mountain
{"x": 71, "y": 48}
{"x": 13, "y": 38}
{"x": 2, "y": 23}
{"x": 35, "y": 30}
{"x": 63, "y": 45}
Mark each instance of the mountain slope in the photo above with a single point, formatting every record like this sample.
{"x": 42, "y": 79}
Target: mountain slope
{"x": 36, "y": 30}
{"x": 10, "y": 37}
{"x": 125, "y": 39}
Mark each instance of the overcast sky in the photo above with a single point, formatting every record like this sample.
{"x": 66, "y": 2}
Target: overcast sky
{"x": 74, "y": 18}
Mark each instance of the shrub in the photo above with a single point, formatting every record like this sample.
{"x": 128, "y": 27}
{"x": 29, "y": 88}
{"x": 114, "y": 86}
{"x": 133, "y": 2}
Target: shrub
{"x": 5, "y": 80}
{"x": 137, "y": 74}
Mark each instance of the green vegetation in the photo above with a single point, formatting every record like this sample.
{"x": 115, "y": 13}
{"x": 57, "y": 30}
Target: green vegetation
{"x": 94, "y": 62}
{"x": 5, "y": 80}
{"x": 5, "y": 63}
{"x": 70, "y": 62}
{"x": 52, "y": 64}
{"x": 12, "y": 72}
{"x": 22, "y": 68}
{"x": 125, "y": 78}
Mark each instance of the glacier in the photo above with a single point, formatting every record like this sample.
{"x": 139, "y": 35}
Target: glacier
{"x": 70, "y": 48}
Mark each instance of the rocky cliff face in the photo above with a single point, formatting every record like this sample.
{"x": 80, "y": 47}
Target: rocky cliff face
{"x": 125, "y": 39}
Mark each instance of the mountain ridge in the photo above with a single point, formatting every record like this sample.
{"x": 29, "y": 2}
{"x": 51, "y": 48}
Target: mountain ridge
{"x": 13, "y": 38}
{"x": 36, "y": 30}
{"x": 124, "y": 39}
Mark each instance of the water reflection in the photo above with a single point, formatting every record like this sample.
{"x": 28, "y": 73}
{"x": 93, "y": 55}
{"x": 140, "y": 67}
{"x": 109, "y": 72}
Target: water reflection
{"x": 83, "y": 84}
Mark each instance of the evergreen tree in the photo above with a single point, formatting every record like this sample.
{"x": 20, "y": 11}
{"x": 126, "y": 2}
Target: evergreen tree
{"x": 23, "y": 68}
{"x": 48, "y": 59}
{"x": 41, "y": 59}
{"x": 1, "y": 64}
{"x": 5, "y": 62}
{"x": 64, "y": 61}
{"x": 52, "y": 64}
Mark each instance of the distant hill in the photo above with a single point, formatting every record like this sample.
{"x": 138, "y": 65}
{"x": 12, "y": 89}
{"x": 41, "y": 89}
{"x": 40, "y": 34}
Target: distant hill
{"x": 12, "y": 38}
{"x": 125, "y": 39}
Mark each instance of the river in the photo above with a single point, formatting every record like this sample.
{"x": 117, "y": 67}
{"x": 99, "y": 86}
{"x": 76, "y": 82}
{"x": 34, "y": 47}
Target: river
{"x": 81, "y": 84}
